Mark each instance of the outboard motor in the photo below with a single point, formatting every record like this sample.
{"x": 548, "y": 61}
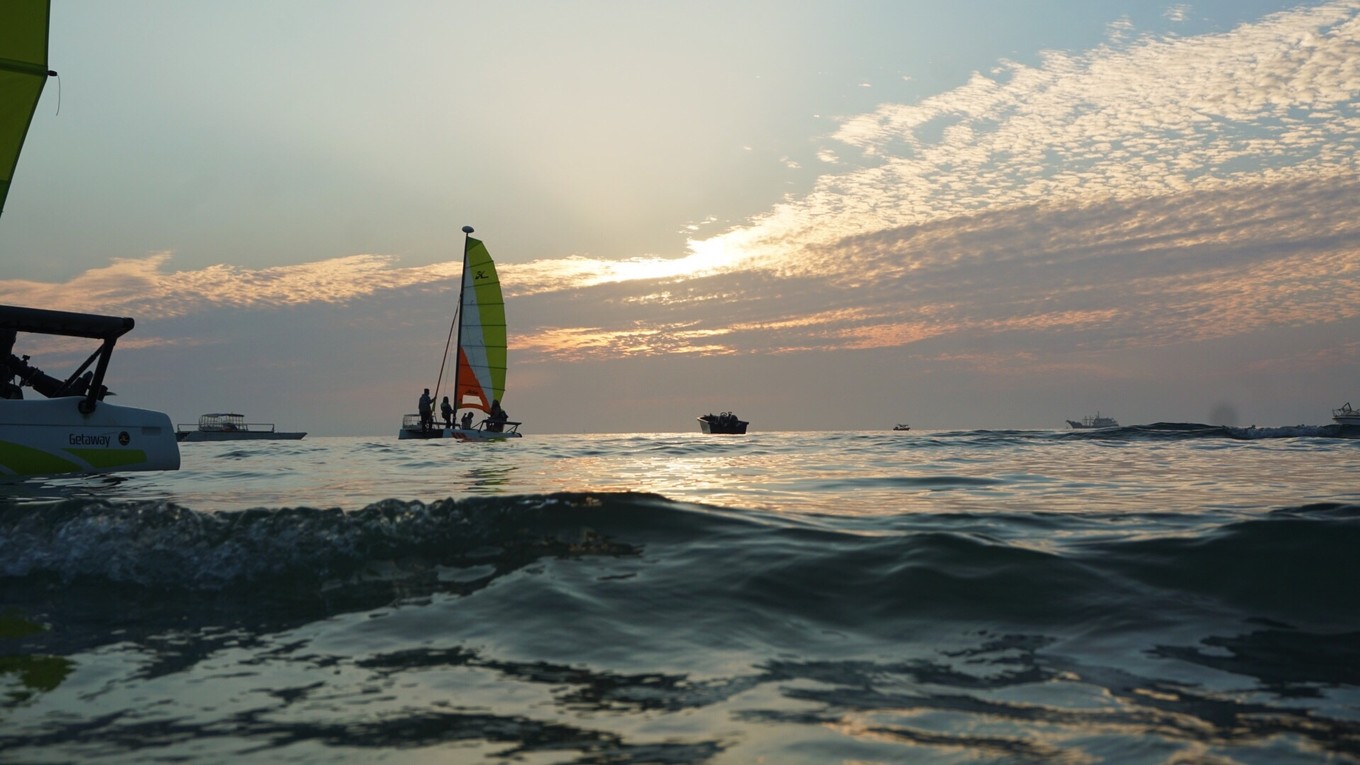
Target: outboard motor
{"x": 44, "y": 383}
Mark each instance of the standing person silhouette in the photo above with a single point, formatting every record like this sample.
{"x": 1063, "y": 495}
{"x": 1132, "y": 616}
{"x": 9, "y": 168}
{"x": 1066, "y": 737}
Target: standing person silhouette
{"x": 426, "y": 413}
{"x": 446, "y": 410}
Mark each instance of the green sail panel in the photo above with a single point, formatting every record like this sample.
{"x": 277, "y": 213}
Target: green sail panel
{"x": 481, "y": 332}
{"x": 23, "y": 72}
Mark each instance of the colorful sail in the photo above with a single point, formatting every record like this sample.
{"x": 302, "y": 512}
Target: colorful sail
{"x": 481, "y": 332}
{"x": 23, "y": 72}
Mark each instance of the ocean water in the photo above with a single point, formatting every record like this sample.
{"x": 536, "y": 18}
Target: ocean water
{"x": 1173, "y": 593}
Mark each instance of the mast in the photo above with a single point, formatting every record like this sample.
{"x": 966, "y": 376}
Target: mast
{"x": 462, "y": 285}
{"x": 457, "y": 312}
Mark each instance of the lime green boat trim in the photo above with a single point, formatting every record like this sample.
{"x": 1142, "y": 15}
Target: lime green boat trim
{"x": 109, "y": 458}
{"x": 17, "y": 459}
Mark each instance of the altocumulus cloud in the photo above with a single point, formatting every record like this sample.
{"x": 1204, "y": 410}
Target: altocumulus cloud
{"x": 1154, "y": 190}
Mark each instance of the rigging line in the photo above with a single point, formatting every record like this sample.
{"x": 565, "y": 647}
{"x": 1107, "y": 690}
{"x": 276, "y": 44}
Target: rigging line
{"x": 439, "y": 380}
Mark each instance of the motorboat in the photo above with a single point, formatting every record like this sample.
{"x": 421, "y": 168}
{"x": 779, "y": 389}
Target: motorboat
{"x": 71, "y": 428}
{"x": 67, "y": 428}
{"x": 1086, "y": 423}
{"x": 229, "y": 426}
{"x": 722, "y": 424}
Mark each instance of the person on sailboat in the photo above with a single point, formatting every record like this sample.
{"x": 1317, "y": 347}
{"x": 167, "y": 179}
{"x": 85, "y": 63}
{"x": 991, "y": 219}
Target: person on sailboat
{"x": 497, "y": 418}
{"x": 426, "y": 411}
{"x": 467, "y": 420}
{"x": 446, "y": 410}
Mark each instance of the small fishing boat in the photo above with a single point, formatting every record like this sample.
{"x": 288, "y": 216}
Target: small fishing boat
{"x": 901, "y": 426}
{"x": 1097, "y": 421}
{"x": 229, "y": 426}
{"x": 722, "y": 424}
{"x": 1346, "y": 415}
{"x": 479, "y": 371}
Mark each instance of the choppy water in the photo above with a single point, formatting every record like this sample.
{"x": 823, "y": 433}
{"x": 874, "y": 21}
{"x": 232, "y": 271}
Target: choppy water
{"x": 1164, "y": 594}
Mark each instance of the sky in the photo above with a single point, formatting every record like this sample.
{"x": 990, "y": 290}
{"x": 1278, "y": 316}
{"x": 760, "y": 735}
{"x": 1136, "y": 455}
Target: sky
{"x": 819, "y": 215}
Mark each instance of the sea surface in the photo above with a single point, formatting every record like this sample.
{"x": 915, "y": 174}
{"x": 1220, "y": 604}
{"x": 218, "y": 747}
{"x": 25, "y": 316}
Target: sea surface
{"x": 1172, "y": 593}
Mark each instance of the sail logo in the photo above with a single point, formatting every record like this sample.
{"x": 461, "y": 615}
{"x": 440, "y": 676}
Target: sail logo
{"x": 85, "y": 439}
{"x": 479, "y": 275}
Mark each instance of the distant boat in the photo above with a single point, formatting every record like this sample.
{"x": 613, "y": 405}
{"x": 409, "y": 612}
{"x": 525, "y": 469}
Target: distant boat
{"x": 900, "y": 426}
{"x": 1094, "y": 422}
{"x": 722, "y": 424}
{"x": 479, "y": 371}
{"x": 1346, "y": 415}
{"x": 228, "y": 426}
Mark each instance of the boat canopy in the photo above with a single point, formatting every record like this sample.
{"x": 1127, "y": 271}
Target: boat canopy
{"x": 44, "y": 322}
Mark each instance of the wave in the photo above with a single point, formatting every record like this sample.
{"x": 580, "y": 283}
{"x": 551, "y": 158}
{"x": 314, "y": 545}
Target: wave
{"x": 1294, "y": 565}
{"x": 1197, "y": 430}
{"x": 1152, "y": 431}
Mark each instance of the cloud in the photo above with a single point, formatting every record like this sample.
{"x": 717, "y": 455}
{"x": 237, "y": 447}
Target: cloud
{"x": 1152, "y": 191}
{"x": 1266, "y": 103}
{"x": 142, "y": 286}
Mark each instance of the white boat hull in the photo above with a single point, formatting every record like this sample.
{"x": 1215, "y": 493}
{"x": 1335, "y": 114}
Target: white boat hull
{"x": 240, "y": 435}
{"x": 411, "y": 429}
{"x": 461, "y": 434}
{"x": 52, "y": 437}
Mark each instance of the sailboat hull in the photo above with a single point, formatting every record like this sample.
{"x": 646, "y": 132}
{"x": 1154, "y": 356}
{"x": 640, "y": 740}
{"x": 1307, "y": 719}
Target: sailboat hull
{"x": 52, "y": 437}
{"x": 416, "y": 433}
{"x": 410, "y": 429}
{"x": 465, "y": 434}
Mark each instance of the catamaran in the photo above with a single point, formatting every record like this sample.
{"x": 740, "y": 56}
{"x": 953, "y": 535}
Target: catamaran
{"x": 479, "y": 369}
{"x": 71, "y": 429}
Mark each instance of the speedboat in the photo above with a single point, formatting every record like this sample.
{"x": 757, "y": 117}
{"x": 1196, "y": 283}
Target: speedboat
{"x": 72, "y": 429}
{"x": 1346, "y": 415}
{"x": 722, "y": 424}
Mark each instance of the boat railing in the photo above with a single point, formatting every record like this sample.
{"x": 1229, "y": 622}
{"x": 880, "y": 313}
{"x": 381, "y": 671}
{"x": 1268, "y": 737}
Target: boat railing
{"x": 228, "y": 427}
{"x": 506, "y": 426}
{"x": 412, "y": 422}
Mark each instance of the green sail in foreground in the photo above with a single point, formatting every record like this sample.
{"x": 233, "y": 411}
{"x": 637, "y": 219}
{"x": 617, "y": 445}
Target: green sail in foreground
{"x": 23, "y": 72}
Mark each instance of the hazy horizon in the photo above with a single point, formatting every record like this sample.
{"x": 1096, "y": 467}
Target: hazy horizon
{"x": 820, "y": 217}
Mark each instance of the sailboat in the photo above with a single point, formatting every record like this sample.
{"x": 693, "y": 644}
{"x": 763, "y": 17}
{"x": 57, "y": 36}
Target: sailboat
{"x": 70, "y": 429}
{"x": 479, "y": 368}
